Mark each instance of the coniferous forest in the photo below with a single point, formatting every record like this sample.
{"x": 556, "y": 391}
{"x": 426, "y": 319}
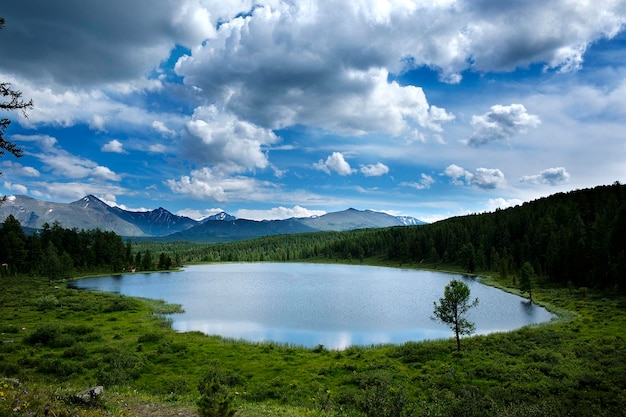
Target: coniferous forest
{"x": 576, "y": 238}
{"x": 56, "y": 253}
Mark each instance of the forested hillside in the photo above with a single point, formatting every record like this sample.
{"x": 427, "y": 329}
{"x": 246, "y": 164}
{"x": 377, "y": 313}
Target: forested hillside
{"x": 576, "y": 238}
{"x": 57, "y": 252}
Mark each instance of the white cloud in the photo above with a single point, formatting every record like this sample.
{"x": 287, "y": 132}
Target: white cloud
{"x": 335, "y": 162}
{"x": 199, "y": 214}
{"x": 501, "y": 123}
{"x": 457, "y": 174}
{"x": 18, "y": 188}
{"x": 485, "y": 178}
{"x": 278, "y": 213}
{"x": 114, "y": 146}
{"x": 63, "y": 163}
{"x": 202, "y": 184}
{"x": 488, "y": 178}
{"x": 213, "y": 185}
{"x": 157, "y": 148}
{"x": 226, "y": 142}
{"x": 105, "y": 174}
{"x": 550, "y": 176}
{"x": 375, "y": 170}
{"x": 424, "y": 183}
{"x": 160, "y": 127}
{"x": 74, "y": 190}
{"x": 18, "y": 169}
{"x": 502, "y": 203}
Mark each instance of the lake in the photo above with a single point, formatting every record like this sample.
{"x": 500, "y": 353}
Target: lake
{"x": 311, "y": 304}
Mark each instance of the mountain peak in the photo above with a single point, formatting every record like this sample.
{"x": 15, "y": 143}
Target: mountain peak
{"x": 90, "y": 200}
{"x": 221, "y": 216}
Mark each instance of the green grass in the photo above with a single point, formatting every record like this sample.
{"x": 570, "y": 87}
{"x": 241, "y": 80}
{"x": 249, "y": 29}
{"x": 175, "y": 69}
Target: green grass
{"x": 57, "y": 340}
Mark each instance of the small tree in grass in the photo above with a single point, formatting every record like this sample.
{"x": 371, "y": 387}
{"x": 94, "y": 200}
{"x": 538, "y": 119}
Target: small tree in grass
{"x": 452, "y": 308}
{"x": 215, "y": 399}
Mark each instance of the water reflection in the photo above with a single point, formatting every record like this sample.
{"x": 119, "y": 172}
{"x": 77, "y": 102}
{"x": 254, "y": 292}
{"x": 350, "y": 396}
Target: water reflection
{"x": 303, "y": 304}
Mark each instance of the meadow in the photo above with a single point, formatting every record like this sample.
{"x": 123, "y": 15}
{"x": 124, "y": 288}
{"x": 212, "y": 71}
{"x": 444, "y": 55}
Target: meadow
{"x": 56, "y": 341}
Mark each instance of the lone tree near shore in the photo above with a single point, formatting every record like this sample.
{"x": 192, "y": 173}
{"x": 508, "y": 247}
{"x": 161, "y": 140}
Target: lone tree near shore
{"x": 452, "y": 309}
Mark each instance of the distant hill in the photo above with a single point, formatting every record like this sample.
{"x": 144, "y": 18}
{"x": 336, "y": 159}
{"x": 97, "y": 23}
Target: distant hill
{"x": 240, "y": 229}
{"x": 90, "y": 213}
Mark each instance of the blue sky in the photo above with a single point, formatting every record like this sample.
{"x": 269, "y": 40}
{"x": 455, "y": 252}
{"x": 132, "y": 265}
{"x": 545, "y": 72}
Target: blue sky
{"x": 274, "y": 109}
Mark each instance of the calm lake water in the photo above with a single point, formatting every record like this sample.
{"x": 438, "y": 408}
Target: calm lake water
{"x": 311, "y": 304}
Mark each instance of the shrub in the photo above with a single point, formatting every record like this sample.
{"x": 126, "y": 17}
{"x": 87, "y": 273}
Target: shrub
{"x": 216, "y": 399}
{"x": 45, "y": 334}
{"x": 58, "y": 367}
{"x": 118, "y": 367}
{"x": 47, "y": 302}
{"x": 121, "y": 304}
{"x": 9, "y": 328}
{"x": 75, "y": 351}
{"x": 150, "y": 337}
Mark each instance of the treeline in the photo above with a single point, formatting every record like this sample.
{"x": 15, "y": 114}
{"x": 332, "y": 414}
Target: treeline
{"x": 56, "y": 252}
{"x": 576, "y": 238}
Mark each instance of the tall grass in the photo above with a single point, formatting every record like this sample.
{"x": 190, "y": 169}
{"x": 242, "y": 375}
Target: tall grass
{"x": 572, "y": 366}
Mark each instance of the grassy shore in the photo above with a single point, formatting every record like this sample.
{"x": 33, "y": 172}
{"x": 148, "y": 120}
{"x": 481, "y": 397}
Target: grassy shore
{"x": 56, "y": 341}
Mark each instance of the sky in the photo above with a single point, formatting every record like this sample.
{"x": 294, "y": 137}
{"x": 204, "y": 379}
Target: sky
{"x": 272, "y": 109}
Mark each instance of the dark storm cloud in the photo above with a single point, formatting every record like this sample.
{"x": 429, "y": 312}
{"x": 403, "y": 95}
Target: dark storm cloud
{"x": 82, "y": 43}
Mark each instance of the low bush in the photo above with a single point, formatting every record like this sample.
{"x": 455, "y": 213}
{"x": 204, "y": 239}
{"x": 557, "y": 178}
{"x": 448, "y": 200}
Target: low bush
{"x": 44, "y": 334}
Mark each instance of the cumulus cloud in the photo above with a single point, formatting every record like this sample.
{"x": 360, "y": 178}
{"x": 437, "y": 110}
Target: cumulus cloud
{"x": 502, "y": 203}
{"x": 424, "y": 183}
{"x": 282, "y": 59}
{"x": 550, "y": 176}
{"x": 205, "y": 183}
{"x": 488, "y": 178}
{"x": 501, "y": 123}
{"x": 114, "y": 146}
{"x": 449, "y": 36}
{"x": 278, "y": 213}
{"x": 105, "y": 174}
{"x": 335, "y": 162}
{"x": 484, "y": 178}
{"x": 226, "y": 142}
{"x": 457, "y": 174}
{"x": 276, "y": 63}
{"x": 375, "y": 170}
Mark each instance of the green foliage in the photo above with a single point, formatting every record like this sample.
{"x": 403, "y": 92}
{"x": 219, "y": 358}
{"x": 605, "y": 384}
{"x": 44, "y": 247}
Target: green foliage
{"x": 44, "y": 334}
{"x": 118, "y": 367}
{"x": 57, "y": 253}
{"x": 576, "y": 237}
{"x": 215, "y": 400}
{"x": 525, "y": 282}
{"x": 47, "y": 302}
{"x": 453, "y": 307}
{"x": 571, "y": 367}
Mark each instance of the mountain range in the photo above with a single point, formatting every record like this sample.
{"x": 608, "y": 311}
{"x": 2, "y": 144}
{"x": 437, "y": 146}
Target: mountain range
{"x": 90, "y": 213}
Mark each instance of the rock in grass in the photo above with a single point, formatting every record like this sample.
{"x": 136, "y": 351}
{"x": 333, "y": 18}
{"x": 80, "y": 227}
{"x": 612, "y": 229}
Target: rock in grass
{"x": 91, "y": 395}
